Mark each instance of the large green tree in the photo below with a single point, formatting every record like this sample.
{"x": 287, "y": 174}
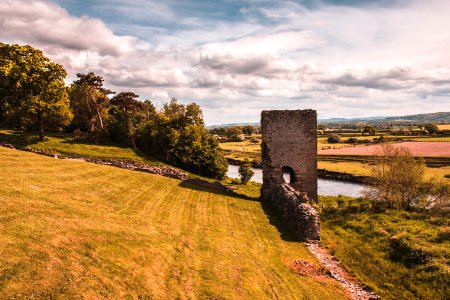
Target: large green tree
{"x": 127, "y": 115}
{"x": 32, "y": 90}
{"x": 177, "y": 135}
{"x": 90, "y": 104}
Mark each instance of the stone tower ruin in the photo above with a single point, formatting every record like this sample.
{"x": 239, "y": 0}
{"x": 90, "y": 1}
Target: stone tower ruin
{"x": 289, "y": 147}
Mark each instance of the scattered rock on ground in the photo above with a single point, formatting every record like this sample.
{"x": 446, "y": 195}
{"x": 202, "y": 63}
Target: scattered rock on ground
{"x": 338, "y": 273}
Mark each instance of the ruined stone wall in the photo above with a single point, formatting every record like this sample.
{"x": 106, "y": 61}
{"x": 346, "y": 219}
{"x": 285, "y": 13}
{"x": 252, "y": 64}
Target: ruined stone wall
{"x": 296, "y": 212}
{"x": 289, "y": 139}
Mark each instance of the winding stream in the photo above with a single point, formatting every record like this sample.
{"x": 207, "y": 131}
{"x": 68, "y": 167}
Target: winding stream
{"x": 326, "y": 187}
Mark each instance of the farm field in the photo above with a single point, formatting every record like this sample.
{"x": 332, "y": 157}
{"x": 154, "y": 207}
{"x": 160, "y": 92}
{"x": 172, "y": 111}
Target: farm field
{"x": 362, "y": 169}
{"x": 71, "y": 229}
{"x": 336, "y": 162}
{"x": 444, "y": 127}
{"x": 429, "y": 149}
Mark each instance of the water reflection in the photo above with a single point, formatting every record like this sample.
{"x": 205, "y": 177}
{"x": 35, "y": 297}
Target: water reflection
{"x": 325, "y": 186}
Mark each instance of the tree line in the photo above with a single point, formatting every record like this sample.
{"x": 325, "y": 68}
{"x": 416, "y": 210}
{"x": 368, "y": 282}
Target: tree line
{"x": 33, "y": 96}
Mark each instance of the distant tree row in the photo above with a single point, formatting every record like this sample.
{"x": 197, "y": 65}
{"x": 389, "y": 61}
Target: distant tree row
{"x": 234, "y": 133}
{"x": 33, "y": 96}
{"x": 420, "y": 128}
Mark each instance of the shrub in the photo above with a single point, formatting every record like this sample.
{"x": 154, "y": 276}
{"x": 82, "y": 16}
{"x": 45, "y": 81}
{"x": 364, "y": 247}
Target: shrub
{"x": 432, "y": 128}
{"x": 352, "y": 140}
{"x": 245, "y": 171}
{"x": 397, "y": 178}
{"x": 334, "y": 138}
{"x": 403, "y": 249}
{"x": 369, "y": 130}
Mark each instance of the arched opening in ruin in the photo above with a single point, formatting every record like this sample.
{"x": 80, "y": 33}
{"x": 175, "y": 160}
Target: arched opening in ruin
{"x": 288, "y": 174}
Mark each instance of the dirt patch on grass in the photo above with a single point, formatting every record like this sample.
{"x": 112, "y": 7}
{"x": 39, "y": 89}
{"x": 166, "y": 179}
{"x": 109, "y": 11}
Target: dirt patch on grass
{"x": 306, "y": 268}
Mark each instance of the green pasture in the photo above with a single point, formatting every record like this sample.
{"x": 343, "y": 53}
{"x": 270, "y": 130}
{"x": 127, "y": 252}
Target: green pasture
{"x": 397, "y": 254}
{"x": 72, "y": 230}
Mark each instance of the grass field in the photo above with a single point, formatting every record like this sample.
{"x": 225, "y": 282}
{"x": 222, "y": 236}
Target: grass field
{"x": 66, "y": 144}
{"x": 363, "y": 241}
{"x": 71, "y": 230}
{"x": 361, "y": 169}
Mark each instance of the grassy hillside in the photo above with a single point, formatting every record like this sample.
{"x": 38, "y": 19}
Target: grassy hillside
{"x": 67, "y": 145}
{"x": 401, "y": 255}
{"x": 71, "y": 229}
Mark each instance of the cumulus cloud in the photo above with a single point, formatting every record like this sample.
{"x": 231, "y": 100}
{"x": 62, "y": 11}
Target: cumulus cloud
{"x": 46, "y": 23}
{"x": 340, "y": 59}
{"x": 392, "y": 79}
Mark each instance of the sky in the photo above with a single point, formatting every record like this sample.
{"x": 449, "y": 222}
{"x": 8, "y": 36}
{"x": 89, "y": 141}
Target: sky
{"x": 348, "y": 58}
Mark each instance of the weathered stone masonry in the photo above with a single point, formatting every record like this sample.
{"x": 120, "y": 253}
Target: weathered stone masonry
{"x": 289, "y": 145}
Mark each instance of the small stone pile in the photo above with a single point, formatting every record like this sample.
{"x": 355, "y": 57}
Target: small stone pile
{"x": 296, "y": 212}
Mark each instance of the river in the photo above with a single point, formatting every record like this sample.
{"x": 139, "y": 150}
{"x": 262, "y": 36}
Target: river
{"x": 326, "y": 187}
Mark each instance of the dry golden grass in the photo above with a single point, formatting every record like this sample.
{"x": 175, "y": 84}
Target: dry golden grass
{"x": 70, "y": 230}
{"x": 444, "y": 127}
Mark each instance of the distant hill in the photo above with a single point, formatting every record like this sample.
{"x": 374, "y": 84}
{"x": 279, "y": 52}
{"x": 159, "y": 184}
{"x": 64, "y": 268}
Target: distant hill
{"x": 438, "y": 117}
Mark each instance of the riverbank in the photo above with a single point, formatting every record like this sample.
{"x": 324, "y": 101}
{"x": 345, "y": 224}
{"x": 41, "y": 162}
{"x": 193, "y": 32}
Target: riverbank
{"x": 321, "y": 173}
{"x": 326, "y": 186}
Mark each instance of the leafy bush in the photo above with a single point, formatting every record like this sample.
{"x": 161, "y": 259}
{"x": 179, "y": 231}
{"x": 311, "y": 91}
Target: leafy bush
{"x": 404, "y": 249}
{"x": 245, "y": 171}
{"x": 334, "y": 138}
{"x": 432, "y": 128}
{"x": 177, "y": 136}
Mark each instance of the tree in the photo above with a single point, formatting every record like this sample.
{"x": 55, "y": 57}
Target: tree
{"x": 369, "y": 130}
{"x": 432, "y": 128}
{"x": 127, "y": 114}
{"x": 245, "y": 171}
{"x": 437, "y": 193}
{"x": 248, "y": 129}
{"x": 32, "y": 90}
{"x": 334, "y": 138}
{"x": 397, "y": 178}
{"x": 90, "y": 104}
{"x": 177, "y": 135}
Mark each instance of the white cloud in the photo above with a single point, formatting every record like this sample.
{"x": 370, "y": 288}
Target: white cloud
{"x": 48, "y": 24}
{"x": 343, "y": 61}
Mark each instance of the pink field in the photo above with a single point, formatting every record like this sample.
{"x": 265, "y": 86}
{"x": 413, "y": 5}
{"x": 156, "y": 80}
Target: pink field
{"x": 440, "y": 149}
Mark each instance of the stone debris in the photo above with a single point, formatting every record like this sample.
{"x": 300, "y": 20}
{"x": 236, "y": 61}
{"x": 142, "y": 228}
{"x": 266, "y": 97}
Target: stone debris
{"x": 306, "y": 268}
{"x": 296, "y": 212}
{"x": 337, "y": 272}
{"x": 135, "y": 166}
{"x": 6, "y": 145}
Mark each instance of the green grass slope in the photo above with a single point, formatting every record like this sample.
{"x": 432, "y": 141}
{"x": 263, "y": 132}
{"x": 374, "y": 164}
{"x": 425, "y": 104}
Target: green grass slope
{"x": 66, "y": 144}
{"x": 399, "y": 254}
{"x": 71, "y": 229}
